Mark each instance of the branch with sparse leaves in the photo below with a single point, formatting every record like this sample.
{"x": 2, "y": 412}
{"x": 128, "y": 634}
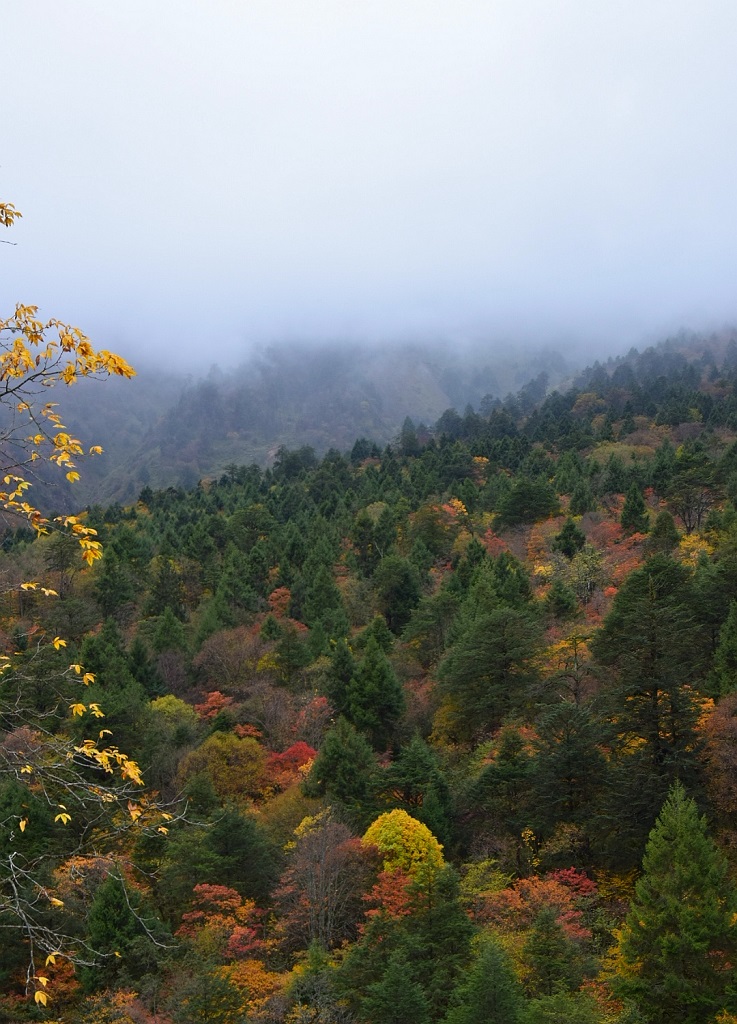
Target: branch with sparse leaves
{"x": 87, "y": 790}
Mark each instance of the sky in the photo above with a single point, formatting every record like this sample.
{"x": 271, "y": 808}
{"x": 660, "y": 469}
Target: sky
{"x": 197, "y": 178}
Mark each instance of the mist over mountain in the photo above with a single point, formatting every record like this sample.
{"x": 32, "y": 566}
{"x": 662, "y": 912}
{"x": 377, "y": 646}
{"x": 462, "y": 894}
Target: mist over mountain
{"x": 172, "y": 429}
{"x": 168, "y": 429}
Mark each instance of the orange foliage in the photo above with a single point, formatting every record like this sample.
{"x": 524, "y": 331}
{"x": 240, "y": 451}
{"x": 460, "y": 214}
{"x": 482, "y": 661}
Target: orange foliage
{"x": 514, "y": 909}
{"x": 256, "y": 984}
{"x": 215, "y": 702}
{"x": 313, "y": 720}
{"x": 494, "y": 545}
{"x": 223, "y": 923}
{"x": 719, "y": 729}
{"x": 279, "y": 601}
{"x": 390, "y": 897}
{"x": 285, "y": 768}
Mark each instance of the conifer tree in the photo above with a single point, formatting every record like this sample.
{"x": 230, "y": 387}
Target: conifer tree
{"x": 570, "y": 539}
{"x": 725, "y": 657}
{"x": 338, "y": 676}
{"x": 664, "y": 536}
{"x": 634, "y": 514}
{"x": 396, "y": 999}
{"x": 375, "y": 697}
{"x": 678, "y": 945}
{"x": 582, "y": 499}
{"x": 651, "y": 640}
{"x": 487, "y": 672}
{"x": 560, "y": 601}
{"x": 489, "y": 991}
{"x": 343, "y": 770}
{"x": 551, "y": 957}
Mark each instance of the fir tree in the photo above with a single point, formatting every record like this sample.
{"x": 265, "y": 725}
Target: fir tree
{"x": 396, "y": 999}
{"x": 487, "y": 672}
{"x": 634, "y": 514}
{"x": 560, "y": 601}
{"x": 725, "y": 657}
{"x": 570, "y": 539}
{"x": 343, "y": 770}
{"x": 678, "y": 945}
{"x": 375, "y": 697}
{"x": 551, "y": 957}
{"x": 338, "y": 675}
{"x": 664, "y": 536}
{"x": 489, "y": 991}
{"x": 582, "y": 499}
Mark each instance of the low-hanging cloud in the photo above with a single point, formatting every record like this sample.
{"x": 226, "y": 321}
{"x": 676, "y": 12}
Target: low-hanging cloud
{"x": 196, "y": 178}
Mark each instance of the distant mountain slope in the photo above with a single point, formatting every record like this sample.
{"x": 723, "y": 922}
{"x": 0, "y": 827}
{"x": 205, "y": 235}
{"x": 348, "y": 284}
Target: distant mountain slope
{"x": 163, "y": 430}
{"x": 170, "y": 429}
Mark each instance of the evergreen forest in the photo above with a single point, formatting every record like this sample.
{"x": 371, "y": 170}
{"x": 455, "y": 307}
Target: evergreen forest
{"x": 442, "y": 730}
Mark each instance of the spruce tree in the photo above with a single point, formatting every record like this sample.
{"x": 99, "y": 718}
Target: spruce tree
{"x": 489, "y": 991}
{"x": 488, "y": 672}
{"x": 582, "y": 499}
{"x": 338, "y": 675}
{"x": 664, "y": 536}
{"x": 678, "y": 945}
{"x": 634, "y": 514}
{"x": 551, "y": 957}
{"x": 375, "y": 697}
{"x": 560, "y": 601}
{"x": 343, "y": 771}
{"x": 570, "y": 539}
{"x": 651, "y": 640}
{"x": 396, "y": 999}
{"x": 725, "y": 657}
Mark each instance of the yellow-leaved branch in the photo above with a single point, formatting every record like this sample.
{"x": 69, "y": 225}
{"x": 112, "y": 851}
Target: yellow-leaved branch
{"x": 87, "y": 784}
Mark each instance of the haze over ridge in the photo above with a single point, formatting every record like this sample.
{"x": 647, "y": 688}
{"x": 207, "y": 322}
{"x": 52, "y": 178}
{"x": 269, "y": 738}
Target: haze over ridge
{"x": 201, "y": 178}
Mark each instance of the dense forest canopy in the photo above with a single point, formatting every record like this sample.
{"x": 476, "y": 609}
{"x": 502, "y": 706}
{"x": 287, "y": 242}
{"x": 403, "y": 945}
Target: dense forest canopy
{"x": 437, "y": 730}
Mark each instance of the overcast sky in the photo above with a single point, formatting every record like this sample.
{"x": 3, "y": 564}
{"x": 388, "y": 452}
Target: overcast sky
{"x": 214, "y": 174}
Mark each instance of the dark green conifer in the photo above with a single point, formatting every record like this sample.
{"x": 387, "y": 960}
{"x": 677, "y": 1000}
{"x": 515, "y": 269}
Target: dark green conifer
{"x": 560, "y": 601}
{"x": 664, "y": 536}
{"x": 551, "y": 957}
{"x": 570, "y": 539}
{"x": 396, "y": 999}
{"x": 489, "y": 991}
{"x": 634, "y": 517}
{"x": 679, "y": 942}
{"x": 375, "y": 697}
{"x": 582, "y": 499}
{"x": 725, "y": 657}
{"x": 344, "y": 771}
{"x": 338, "y": 675}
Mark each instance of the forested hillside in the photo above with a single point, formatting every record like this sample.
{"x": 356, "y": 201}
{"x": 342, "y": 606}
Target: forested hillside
{"x": 441, "y": 730}
{"x": 174, "y": 429}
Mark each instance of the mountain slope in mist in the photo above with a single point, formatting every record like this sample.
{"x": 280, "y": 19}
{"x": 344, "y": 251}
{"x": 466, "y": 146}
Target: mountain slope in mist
{"x": 172, "y": 430}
